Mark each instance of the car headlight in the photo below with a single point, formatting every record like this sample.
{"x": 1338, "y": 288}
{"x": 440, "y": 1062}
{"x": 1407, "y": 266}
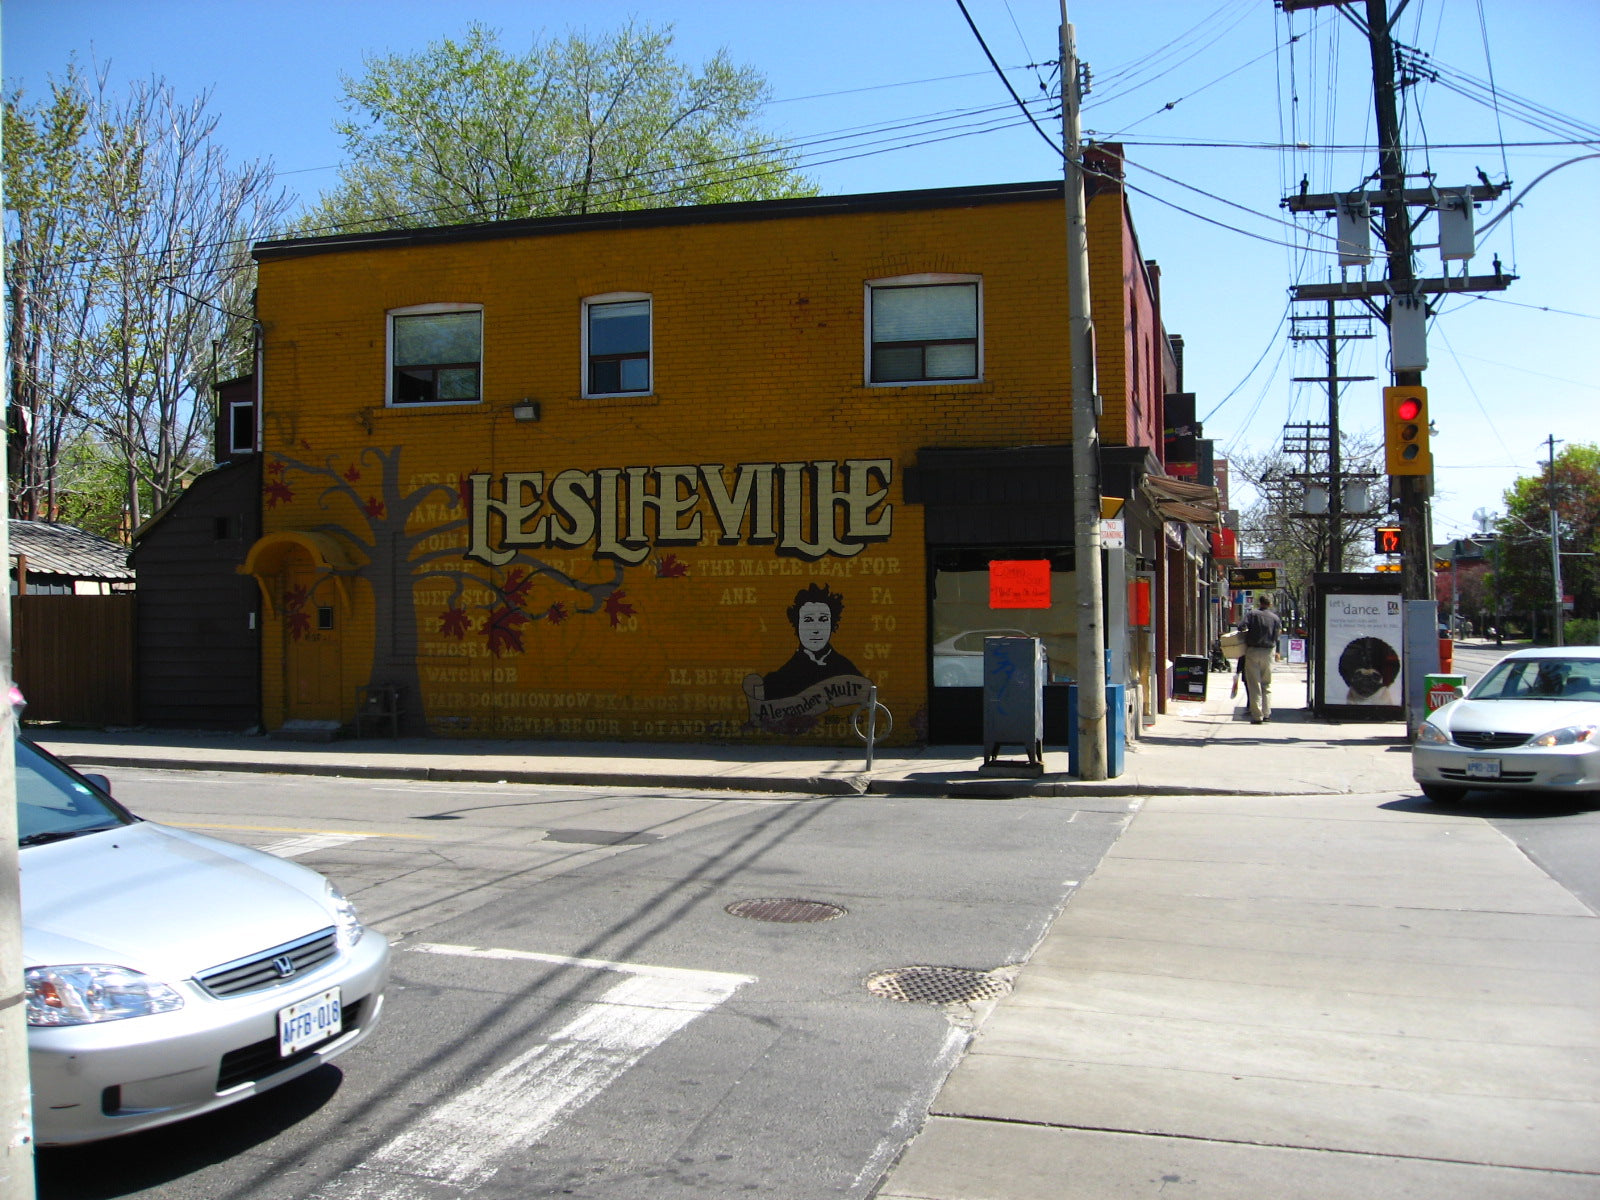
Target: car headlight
{"x": 345, "y": 918}
{"x": 1432, "y": 735}
{"x": 90, "y": 992}
{"x": 1569, "y": 736}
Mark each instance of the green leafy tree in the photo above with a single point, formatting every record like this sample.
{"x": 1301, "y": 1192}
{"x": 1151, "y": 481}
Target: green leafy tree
{"x": 1522, "y": 580}
{"x": 47, "y": 303}
{"x": 465, "y": 131}
{"x": 130, "y": 231}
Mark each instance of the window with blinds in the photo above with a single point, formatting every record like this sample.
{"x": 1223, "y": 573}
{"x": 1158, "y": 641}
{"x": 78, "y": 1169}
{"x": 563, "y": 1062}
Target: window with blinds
{"x": 923, "y": 332}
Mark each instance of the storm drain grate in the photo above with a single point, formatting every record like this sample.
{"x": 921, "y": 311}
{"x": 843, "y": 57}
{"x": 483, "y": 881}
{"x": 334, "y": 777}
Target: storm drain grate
{"x": 785, "y": 912}
{"x": 938, "y": 985}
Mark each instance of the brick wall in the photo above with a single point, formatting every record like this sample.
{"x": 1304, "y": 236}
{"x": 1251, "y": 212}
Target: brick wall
{"x": 758, "y": 350}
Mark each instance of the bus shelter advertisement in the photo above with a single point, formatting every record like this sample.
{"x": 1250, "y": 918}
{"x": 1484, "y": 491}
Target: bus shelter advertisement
{"x": 1362, "y": 636}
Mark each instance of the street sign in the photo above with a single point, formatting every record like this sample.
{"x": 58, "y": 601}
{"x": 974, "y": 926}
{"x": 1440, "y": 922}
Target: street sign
{"x": 1252, "y": 578}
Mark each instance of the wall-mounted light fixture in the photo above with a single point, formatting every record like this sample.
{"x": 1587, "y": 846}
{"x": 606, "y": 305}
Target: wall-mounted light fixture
{"x": 525, "y": 410}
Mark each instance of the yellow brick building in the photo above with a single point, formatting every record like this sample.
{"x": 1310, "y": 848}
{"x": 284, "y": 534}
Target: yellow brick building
{"x": 680, "y": 474}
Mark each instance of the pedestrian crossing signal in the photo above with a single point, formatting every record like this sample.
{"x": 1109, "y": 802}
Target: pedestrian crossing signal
{"x": 1386, "y": 539}
{"x": 1405, "y": 431}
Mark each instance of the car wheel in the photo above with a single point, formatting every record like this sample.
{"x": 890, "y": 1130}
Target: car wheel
{"x": 1443, "y": 793}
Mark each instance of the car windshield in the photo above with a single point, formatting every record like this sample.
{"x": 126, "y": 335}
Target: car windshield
{"x": 54, "y": 804}
{"x": 1545, "y": 678}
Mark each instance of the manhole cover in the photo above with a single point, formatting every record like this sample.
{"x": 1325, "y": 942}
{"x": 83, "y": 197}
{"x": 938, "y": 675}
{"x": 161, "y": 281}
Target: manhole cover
{"x": 937, "y": 985}
{"x": 786, "y": 912}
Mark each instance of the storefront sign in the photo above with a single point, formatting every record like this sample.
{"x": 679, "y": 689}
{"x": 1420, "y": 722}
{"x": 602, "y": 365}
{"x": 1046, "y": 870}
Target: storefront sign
{"x": 1253, "y": 578}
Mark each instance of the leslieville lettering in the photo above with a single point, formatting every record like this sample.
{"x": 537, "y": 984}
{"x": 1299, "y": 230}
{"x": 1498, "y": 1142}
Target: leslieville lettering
{"x": 805, "y": 509}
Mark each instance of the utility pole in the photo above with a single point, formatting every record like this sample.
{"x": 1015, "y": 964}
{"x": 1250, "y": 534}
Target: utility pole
{"x": 1331, "y": 337}
{"x": 16, "y": 1112}
{"x": 1393, "y": 201}
{"x": 1556, "y": 613}
{"x": 1091, "y": 640}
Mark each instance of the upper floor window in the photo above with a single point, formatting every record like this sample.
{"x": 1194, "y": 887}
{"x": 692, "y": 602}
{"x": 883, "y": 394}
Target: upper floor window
{"x": 241, "y": 426}
{"x": 616, "y": 336}
{"x": 436, "y": 354}
{"x": 923, "y": 329}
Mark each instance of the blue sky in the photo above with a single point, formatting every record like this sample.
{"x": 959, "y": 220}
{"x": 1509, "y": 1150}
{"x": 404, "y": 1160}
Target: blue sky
{"x": 897, "y": 94}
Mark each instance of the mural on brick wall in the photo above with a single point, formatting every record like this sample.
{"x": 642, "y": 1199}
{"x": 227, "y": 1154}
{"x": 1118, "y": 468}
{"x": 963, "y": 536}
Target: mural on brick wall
{"x": 816, "y": 678}
{"x": 414, "y": 530}
{"x": 464, "y": 568}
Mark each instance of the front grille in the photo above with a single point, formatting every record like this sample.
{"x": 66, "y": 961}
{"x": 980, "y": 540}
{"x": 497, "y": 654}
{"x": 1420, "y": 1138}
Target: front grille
{"x": 264, "y": 969}
{"x": 261, "y": 1060}
{"x": 1475, "y": 739}
{"x": 1456, "y": 775}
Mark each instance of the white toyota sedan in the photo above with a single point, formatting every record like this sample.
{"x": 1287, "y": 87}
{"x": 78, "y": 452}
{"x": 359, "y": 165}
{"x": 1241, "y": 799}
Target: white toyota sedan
{"x": 1532, "y": 721}
{"x": 167, "y": 973}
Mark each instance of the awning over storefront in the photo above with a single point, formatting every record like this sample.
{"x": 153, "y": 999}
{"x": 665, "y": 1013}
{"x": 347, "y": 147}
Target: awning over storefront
{"x": 266, "y": 560}
{"x": 1180, "y": 500}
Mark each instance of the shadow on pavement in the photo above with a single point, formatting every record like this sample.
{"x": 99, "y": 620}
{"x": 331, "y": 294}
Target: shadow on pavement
{"x": 1500, "y": 806}
{"x": 140, "y": 1161}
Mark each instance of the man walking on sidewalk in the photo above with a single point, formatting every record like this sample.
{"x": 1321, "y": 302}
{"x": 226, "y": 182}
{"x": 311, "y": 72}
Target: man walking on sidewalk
{"x": 1261, "y": 628}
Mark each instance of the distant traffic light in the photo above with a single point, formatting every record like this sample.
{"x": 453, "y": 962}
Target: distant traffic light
{"x": 1405, "y": 431}
{"x": 1386, "y": 539}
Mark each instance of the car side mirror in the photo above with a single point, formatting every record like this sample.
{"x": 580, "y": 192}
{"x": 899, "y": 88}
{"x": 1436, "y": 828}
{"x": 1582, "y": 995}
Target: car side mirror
{"x": 100, "y": 781}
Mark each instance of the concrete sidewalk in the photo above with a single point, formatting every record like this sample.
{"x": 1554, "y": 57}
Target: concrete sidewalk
{"x": 1198, "y": 748}
{"x": 1290, "y": 979}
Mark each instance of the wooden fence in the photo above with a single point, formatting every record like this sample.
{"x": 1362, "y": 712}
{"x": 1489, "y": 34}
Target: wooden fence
{"x": 73, "y": 658}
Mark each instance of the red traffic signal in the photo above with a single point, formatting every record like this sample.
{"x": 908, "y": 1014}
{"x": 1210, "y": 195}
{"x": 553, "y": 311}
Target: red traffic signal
{"x": 1386, "y": 539}
{"x": 1405, "y": 431}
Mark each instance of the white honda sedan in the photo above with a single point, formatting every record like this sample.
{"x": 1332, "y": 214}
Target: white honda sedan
{"x": 1532, "y": 721}
{"x": 167, "y": 973}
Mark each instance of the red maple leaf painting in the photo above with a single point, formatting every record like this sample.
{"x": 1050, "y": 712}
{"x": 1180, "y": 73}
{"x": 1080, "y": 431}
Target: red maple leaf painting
{"x": 556, "y": 613}
{"x": 617, "y": 608}
{"x": 501, "y": 626}
{"x": 352, "y": 473}
{"x": 295, "y": 617}
{"x": 276, "y": 467}
{"x": 277, "y": 492}
{"x": 373, "y": 508}
{"x": 516, "y": 587}
{"x": 454, "y": 623}
{"x": 671, "y": 567}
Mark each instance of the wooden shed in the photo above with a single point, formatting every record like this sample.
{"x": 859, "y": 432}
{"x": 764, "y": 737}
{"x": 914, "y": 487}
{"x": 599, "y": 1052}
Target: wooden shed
{"x": 198, "y": 620}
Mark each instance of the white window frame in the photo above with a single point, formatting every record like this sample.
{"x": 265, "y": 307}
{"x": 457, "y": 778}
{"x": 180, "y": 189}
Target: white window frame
{"x": 246, "y": 445}
{"x": 415, "y": 310}
{"x": 650, "y": 347}
{"x": 926, "y": 279}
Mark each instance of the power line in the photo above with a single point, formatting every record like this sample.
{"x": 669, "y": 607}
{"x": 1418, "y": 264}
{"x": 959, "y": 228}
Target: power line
{"x": 971, "y": 24}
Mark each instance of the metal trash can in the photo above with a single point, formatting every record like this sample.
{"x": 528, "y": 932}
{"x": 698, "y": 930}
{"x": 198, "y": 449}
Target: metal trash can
{"x": 1189, "y": 675}
{"x": 1014, "y": 673}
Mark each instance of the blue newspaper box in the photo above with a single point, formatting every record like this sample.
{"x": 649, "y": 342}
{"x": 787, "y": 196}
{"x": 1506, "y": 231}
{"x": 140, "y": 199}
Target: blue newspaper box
{"x": 1116, "y": 728}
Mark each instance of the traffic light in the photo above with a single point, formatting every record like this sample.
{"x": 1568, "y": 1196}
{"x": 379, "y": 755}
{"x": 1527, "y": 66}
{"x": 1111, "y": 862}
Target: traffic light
{"x": 1386, "y": 539}
{"x": 1405, "y": 431}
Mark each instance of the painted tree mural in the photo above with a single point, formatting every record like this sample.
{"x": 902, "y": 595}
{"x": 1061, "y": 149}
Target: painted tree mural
{"x": 402, "y": 534}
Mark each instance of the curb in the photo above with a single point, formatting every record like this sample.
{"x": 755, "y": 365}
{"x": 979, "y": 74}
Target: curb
{"x": 813, "y": 785}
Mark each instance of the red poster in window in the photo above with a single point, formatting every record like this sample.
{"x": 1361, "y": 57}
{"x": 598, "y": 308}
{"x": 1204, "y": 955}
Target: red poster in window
{"x": 1023, "y": 583}
{"x": 1139, "y": 602}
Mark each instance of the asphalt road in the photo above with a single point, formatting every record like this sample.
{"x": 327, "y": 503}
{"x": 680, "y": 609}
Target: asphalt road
{"x": 525, "y": 920}
{"x": 1560, "y": 834}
